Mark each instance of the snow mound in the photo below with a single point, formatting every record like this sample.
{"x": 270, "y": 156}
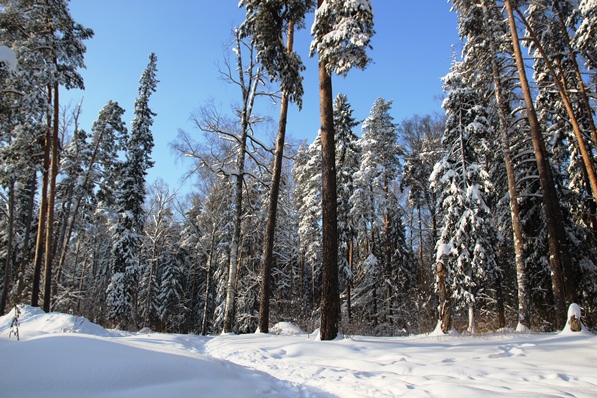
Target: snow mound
{"x": 286, "y": 328}
{"x": 317, "y": 335}
{"x": 438, "y": 331}
{"x": 35, "y": 322}
{"x": 574, "y": 310}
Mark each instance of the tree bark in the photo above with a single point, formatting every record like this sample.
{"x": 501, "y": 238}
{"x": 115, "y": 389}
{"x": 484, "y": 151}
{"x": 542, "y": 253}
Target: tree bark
{"x": 330, "y": 300}
{"x": 521, "y": 276}
{"x": 54, "y": 160}
{"x": 268, "y": 241}
{"x": 586, "y": 156}
{"x": 558, "y": 250}
{"x": 43, "y": 211}
{"x": 9, "y": 245}
{"x": 245, "y": 114}
{"x": 208, "y": 288}
{"x": 388, "y": 250}
{"x": 445, "y": 311}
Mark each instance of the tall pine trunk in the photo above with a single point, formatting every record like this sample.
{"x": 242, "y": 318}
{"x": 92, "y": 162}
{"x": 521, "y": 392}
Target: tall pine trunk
{"x": 586, "y": 155}
{"x": 268, "y": 241}
{"x": 54, "y": 160}
{"x": 557, "y": 240}
{"x": 524, "y": 316}
{"x": 43, "y": 211}
{"x": 330, "y": 300}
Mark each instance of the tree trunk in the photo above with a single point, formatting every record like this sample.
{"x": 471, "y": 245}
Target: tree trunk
{"x": 586, "y": 156}
{"x": 248, "y": 93}
{"x": 330, "y": 300}
{"x": 54, "y": 160}
{"x": 65, "y": 247}
{"x": 472, "y": 322}
{"x": 26, "y": 252}
{"x": 388, "y": 250}
{"x": 43, "y": 211}
{"x": 349, "y": 282}
{"x": 445, "y": 311}
{"x": 268, "y": 239}
{"x": 9, "y": 245}
{"x": 521, "y": 276}
{"x": 208, "y": 283}
{"x": 558, "y": 250}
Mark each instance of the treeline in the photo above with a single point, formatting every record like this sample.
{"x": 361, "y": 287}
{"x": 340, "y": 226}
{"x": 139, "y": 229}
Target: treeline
{"x": 479, "y": 218}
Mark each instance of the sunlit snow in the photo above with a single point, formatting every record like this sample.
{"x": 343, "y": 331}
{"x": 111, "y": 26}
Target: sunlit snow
{"x": 61, "y": 355}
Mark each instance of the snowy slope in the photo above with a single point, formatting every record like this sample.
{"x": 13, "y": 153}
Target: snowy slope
{"x": 64, "y": 356}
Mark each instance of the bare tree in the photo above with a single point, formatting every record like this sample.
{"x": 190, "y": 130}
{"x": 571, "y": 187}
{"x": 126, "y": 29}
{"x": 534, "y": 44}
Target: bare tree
{"x": 239, "y": 134}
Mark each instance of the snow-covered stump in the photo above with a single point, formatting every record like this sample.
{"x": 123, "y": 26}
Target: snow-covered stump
{"x": 574, "y": 318}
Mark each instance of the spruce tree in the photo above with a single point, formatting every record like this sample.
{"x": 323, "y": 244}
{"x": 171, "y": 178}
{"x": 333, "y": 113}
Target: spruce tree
{"x": 467, "y": 241}
{"x": 128, "y": 230}
{"x": 379, "y": 168}
{"x": 347, "y": 164}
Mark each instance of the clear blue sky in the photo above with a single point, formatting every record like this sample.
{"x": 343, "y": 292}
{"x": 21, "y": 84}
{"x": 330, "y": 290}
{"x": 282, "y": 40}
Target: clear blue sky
{"x": 412, "y": 50}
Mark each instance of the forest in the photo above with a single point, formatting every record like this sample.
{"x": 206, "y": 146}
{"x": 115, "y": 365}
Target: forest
{"x": 480, "y": 218}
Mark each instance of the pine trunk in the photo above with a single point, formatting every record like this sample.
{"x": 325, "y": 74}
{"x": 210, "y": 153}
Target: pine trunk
{"x": 268, "y": 241}
{"x": 555, "y": 230}
{"x": 54, "y": 161}
{"x": 586, "y": 155}
{"x": 330, "y": 300}
{"x": 521, "y": 276}
{"x": 43, "y": 211}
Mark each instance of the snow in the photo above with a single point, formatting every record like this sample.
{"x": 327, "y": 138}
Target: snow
{"x": 8, "y": 58}
{"x": 61, "y": 355}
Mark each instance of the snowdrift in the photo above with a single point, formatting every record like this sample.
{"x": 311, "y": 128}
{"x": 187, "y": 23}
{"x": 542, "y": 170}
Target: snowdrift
{"x": 61, "y": 355}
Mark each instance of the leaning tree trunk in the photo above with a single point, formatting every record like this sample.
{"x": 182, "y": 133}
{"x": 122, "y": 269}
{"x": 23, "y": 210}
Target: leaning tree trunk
{"x": 524, "y": 318}
{"x": 558, "y": 249}
{"x": 586, "y": 155}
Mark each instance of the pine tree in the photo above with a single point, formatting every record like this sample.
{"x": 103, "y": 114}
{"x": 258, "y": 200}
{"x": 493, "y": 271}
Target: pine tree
{"x": 267, "y": 21}
{"x": 342, "y": 32}
{"x": 49, "y": 49}
{"x": 558, "y": 245}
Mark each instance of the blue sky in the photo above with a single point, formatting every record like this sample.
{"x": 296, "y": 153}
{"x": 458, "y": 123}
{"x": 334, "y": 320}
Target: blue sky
{"x": 412, "y": 50}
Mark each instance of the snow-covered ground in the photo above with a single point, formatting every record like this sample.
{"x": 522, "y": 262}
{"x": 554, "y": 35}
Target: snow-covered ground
{"x": 60, "y": 355}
